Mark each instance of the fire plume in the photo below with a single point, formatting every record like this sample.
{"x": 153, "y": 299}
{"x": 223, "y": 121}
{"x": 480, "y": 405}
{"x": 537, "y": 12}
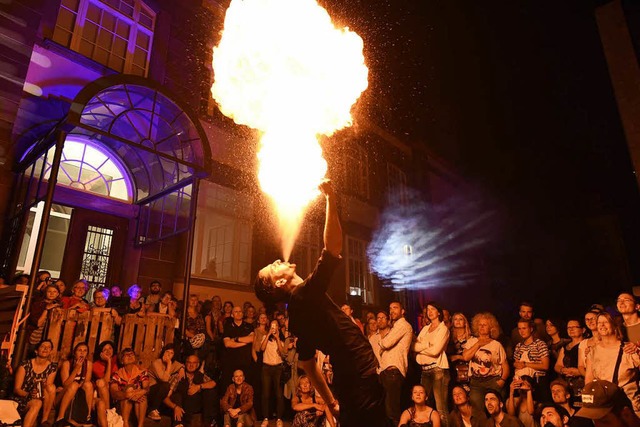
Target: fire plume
{"x": 282, "y": 67}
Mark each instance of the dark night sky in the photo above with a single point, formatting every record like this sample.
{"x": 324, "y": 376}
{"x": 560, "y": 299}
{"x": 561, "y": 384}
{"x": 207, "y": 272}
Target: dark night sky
{"x": 516, "y": 96}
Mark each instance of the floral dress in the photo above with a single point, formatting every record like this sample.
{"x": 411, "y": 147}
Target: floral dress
{"x": 31, "y": 381}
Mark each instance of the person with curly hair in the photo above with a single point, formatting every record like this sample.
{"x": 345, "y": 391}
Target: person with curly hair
{"x": 488, "y": 365}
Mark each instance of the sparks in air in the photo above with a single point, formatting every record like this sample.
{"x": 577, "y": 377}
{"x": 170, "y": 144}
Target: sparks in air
{"x": 284, "y": 68}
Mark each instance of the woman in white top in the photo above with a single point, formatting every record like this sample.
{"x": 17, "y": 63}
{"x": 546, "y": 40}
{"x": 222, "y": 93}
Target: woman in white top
{"x": 430, "y": 349}
{"x": 608, "y": 361}
{"x": 488, "y": 366}
{"x": 272, "y": 347}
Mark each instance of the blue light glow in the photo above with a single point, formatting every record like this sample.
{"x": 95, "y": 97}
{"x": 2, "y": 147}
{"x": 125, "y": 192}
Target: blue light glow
{"x": 421, "y": 245}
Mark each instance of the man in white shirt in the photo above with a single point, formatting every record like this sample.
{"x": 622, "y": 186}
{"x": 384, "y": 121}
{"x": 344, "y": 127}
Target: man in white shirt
{"x": 393, "y": 351}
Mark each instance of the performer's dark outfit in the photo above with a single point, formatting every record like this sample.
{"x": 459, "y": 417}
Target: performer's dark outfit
{"x": 320, "y": 324}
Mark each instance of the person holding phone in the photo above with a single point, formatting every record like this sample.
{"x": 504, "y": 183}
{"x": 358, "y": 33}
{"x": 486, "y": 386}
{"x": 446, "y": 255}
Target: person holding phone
{"x": 272, "y": 347}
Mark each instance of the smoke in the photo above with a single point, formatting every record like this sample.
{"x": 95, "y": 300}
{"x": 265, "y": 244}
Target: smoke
{"x": 420, "y": 245}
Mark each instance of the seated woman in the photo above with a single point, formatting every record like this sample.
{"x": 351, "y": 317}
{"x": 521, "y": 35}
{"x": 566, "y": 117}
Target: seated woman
{"x": 76, "y": 301}
{"x": 105, "y": 363}
{"x": 33, "y": 387}
{"x": 37, "y": 320}
{"x": 135, "y": 305}
{"x": 195, "y": 328}
{"x": 310, "y": 409}
{"x": 567, "y": 364}
{"x": 520, "y": 403}
{"x": 75, "y": 373}
{"x": 100, "y": 298}
{"x": 164, "y": 373}
{"x": 130, "y": 386}
{"x": 420, "y": 414}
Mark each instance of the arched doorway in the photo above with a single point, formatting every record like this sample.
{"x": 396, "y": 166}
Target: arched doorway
{"x": 123, "y": 165}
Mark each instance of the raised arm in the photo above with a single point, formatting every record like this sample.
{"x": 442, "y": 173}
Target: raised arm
{"x": 332, "y": 227}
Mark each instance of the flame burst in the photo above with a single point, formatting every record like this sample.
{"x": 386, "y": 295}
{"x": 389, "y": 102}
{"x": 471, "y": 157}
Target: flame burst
{"x": 283, "y": 68}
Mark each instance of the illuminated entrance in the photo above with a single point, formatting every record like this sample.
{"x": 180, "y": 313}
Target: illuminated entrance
{"x": 118, "y": 172}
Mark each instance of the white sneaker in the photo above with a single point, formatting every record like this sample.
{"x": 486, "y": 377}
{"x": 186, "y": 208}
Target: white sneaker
{"x": 154, "y": 415}
{"x": 265, "y": 423}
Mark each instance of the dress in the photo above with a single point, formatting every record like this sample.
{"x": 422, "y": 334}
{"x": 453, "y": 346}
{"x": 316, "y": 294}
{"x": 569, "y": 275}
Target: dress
{"x": 31, "y": 380}
{"x": 413, "y": 423}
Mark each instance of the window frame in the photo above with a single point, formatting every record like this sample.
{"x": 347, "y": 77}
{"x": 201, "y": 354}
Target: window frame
{"x": 134, "y": 24}
{"x": 397, "y": 193}
{"x": 367, "y": 293}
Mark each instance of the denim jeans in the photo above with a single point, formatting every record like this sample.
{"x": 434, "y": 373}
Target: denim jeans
{"x": 392, "y": 380}
{"x": 271, "y": 376}
{"x": 479, "y": 387}
{"x": 436, "y": 381}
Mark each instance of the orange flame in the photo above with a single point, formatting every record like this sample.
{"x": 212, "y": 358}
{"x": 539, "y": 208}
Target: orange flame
{"x": 282, "y": 67}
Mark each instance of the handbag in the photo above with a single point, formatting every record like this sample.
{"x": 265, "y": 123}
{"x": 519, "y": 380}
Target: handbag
{"x": 462, "y": 372}
{"x": 197, "y": 340}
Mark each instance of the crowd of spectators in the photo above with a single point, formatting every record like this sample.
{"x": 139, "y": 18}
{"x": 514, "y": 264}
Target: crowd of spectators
{"x": 236, "y": 365}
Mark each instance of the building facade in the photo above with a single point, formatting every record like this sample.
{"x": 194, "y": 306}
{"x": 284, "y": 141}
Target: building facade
{"x": 113, "y": 95}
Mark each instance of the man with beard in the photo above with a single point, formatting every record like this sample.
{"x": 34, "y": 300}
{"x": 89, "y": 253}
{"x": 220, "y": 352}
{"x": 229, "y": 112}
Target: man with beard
{"x": 493, "y": 404}
{"x": 153, "y": 299}
{"x": 320, "y": 324}
{"x": 393, "y": 349}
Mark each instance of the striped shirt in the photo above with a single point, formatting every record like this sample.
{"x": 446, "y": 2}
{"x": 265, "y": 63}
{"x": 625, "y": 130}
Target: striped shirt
{"x": 536, "y": 351}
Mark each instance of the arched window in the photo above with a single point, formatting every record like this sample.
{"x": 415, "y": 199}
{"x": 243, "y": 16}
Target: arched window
{"x": 87, "y": 167}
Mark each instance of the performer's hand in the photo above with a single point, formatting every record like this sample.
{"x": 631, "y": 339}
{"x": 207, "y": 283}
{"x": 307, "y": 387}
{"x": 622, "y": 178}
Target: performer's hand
{"x": 326, "y": 187}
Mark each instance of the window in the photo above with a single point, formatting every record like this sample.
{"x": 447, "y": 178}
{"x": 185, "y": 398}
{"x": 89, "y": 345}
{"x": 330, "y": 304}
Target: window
{"x": 95, "y": 257}
{"x": 307, "y": 249}
{"x": 115, "y": 33}
{"x": 54, "y": 243}
{"x": 397, "y": 185}
{"x": 223, "y": 235}
{"x": 357, "y": 171}
{"x": 359, "y": 280}
{"x": 88, "y": 168}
